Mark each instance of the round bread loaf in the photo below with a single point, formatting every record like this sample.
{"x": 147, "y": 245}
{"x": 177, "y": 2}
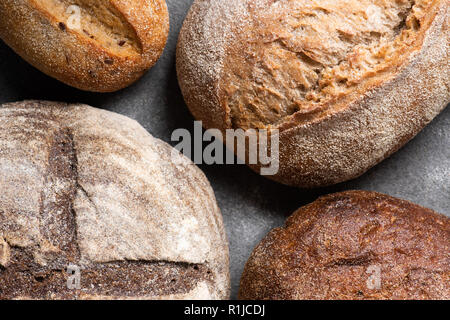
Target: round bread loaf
{"x": 91, "y": 45}
{"x": 347, "y": 83}
{"x": 353, "y": 245}
{"x": 90, "y": 190}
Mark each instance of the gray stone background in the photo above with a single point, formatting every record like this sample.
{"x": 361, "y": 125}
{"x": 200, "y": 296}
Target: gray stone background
{"x": 251, "y": 205}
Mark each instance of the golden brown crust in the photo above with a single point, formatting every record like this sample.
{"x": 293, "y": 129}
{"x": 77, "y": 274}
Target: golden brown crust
{"x": 330, "y": 249}
{"x": 334, "y": 128}
{"x": 117, "y": 42}
{"x": 304, "y": 57}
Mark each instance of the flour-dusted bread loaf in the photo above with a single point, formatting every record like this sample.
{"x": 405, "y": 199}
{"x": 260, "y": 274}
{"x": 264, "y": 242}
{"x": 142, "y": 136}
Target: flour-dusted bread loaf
{"x": 93, "y": 45}
{"x": 347, "y": 83}
{"x": 353, "y": 245}
{"x": 90, "y": 188}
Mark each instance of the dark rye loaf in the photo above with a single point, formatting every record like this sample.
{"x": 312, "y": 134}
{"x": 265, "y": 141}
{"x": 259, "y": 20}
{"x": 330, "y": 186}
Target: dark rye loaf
{"x": 92, "y": 188}
{"x": 332, "y": 247}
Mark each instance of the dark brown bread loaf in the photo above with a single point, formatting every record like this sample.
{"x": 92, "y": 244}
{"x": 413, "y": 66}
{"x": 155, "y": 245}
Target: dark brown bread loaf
{"x": 90, "y": 188}
{"x": 347, "y": 83}
{"x": 109, "y": 47}
{"x": 334, "y": 247}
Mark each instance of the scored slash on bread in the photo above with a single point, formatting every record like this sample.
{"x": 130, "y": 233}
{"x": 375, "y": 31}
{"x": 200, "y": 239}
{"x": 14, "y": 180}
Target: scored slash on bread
{"x": 347, "y": 83}
{"x": 115, "y": 43}
{"x": 87, "y": 187}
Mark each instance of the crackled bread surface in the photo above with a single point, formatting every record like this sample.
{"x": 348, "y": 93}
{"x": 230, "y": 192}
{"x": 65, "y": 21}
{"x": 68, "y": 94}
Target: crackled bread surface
{"x": 91, "y": 188}
{"x": 345, "y": 83}
{"x": 353, "y": 245}
{"x": 302, "y": 56}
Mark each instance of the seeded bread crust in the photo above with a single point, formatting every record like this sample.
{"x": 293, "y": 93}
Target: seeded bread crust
{"x": 117, "y": 42}
{"x": 86, "y": 187}
{"x": 332, "y": 248}
{"x": 343, "y": 99}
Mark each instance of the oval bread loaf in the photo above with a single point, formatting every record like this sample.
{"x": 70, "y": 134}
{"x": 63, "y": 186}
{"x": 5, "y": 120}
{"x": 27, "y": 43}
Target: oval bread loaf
{"x": 347, "y": 83}
{"x": 92, "y": 45}
{"x": 92, "y": 189}
{"x": 353, "y": 245}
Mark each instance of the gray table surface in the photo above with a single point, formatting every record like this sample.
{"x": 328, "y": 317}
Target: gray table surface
{"x": 251, "y": 205}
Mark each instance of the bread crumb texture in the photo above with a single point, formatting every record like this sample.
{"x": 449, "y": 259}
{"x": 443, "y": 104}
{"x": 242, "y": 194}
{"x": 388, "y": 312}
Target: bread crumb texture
{"x": 334, "y": 247}
{"x": 99, "y": 21}
{"x": 86, "y": 187}
{"x": 302, "y": 56}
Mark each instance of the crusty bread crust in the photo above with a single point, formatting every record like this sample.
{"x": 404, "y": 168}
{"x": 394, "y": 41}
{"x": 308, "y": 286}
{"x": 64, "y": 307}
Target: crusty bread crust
{"x": 349, "y": 134}
{"x": 332, "y": 247}
{"x": 118, "y": 41}
{"x": 92, "y": 188}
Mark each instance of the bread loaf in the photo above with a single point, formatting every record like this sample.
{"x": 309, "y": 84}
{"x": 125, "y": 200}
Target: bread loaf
{"x": 92, "y": 189}
{"x": 354, "y": 245}
{"x": 347, "y": 83}
{"x": 89, "y": 44}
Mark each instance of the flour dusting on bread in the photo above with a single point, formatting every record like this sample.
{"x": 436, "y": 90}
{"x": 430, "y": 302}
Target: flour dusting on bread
{"x": 347, "y": 83}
